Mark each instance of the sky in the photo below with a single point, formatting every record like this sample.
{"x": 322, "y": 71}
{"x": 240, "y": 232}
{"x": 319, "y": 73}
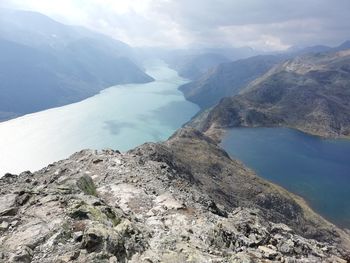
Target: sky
{"x": 261, "y": 24}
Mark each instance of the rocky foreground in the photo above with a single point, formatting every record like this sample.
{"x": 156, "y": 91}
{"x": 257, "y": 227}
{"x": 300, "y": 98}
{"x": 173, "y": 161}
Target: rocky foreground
{"x": 183, "y": 200}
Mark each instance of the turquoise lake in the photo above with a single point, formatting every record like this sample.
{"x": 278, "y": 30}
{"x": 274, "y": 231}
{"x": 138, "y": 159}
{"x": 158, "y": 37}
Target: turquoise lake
{"x": 314, "y": 168}
{"x": 120, "y": 117}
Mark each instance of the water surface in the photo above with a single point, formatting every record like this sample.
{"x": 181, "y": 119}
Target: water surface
{"x": 120, "y": 117}
{"x": 315, "y": 168}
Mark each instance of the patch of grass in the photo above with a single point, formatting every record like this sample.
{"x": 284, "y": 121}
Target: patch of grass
{"x": 86, "y": 185}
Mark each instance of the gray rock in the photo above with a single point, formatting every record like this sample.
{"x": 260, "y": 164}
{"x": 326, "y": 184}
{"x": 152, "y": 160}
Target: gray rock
{"x": 286, "y": 246}
{"x": 268, "y": 252}
{"x": 242, "y": 257}
{"x": 157, "y": 203}
{"x": 7, "y": 204}
{"x": 23, "y": 255}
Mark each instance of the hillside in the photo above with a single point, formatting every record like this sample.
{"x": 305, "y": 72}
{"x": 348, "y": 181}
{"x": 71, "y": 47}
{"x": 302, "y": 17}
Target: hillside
{"x": 183, "y": 200}
{"x": 227, "y": 79}
{"x": 193, "y": 66}
{"x": 45, "y": 64}
{"x": 310, "y": 93}
{"x": 192, "y": 63}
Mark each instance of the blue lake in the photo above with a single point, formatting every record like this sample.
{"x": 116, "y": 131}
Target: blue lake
{"x": 314, "y": 168}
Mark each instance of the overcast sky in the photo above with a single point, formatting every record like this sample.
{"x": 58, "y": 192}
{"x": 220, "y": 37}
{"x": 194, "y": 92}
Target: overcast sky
{"x": 261, "y": 24}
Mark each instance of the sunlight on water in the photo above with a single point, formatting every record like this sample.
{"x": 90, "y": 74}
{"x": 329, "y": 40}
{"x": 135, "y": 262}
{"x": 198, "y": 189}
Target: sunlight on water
{"x": 120, "y": 117}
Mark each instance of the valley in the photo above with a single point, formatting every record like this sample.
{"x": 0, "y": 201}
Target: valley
{"x": 174, "y": 131}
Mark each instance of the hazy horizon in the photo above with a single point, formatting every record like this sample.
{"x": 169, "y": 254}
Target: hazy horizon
{"x": 266, "y": 26}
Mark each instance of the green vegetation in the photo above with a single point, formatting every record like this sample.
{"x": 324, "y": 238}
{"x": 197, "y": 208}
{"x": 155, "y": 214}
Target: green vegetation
{"x": 86, "y": 184}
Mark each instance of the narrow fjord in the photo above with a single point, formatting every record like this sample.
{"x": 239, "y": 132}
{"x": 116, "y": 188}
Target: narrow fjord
{"x": 120, "y": 117}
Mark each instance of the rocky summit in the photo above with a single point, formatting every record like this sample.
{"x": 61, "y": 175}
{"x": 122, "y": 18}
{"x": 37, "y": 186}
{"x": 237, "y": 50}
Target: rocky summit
{"x": 183, "y": 200}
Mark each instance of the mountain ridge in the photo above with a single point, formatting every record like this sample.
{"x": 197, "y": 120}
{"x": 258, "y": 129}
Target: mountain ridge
{"x": 45, "y": 64}
{"x": 309, "y": 93}
{"x": 159, "y": 202}
{"x": 227, "y": 79}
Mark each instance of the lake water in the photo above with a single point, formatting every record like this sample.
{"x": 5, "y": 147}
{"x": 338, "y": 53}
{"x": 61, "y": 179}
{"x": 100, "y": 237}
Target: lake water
{"x": 314, "y": 168}
{"x": 126, "y": 116}
{"x": 120, "y": 117}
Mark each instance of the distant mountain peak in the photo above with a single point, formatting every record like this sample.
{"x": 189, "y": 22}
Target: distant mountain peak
{"x": 345, "y": 45}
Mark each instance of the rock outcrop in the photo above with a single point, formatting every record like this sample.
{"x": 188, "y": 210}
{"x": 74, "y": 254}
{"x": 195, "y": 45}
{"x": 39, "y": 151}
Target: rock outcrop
{"x": 183, "y": 200}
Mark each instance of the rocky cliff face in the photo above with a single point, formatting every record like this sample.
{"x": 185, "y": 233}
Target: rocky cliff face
{"x": 310, "y": 93}
{"x": 183, "y": 200}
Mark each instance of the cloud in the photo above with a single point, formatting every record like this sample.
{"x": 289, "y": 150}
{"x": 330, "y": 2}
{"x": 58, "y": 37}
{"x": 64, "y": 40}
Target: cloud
{"x": 267, "y": 24}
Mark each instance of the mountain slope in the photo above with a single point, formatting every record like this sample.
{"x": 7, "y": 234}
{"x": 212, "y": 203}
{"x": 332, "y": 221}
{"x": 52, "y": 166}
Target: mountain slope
{"x": 227, "y": 79}
{"x": 192, "y": 63}
{"x": 37, "y": 30}
{"x": 45, "y": 64}
{"x": 310, "y": 93}
{"x": 159, "y": 203}
{"x": 193, "y": 66}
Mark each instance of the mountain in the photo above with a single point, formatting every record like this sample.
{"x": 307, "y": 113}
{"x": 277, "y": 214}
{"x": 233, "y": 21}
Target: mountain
{"x": 194, "y": 66}
{"x": 183, "y": 200}
{"x": 310, "y": 93}
{"x": 191, "y": 63}
{"x": 37, "y": 30}
{"x": 233, "y": 53}
{"x": 45, "y": 64}
{"x": 343, "y": 46}
{"x": 227, "y": 79}
{"x": 297, "y": 50}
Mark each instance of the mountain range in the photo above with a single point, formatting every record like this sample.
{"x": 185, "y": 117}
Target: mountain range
{"x": 45, "y": 64}
{"x": 229, "y": 78}
{"x": 309, "y": 93}
{"x": 182, "y": 200}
